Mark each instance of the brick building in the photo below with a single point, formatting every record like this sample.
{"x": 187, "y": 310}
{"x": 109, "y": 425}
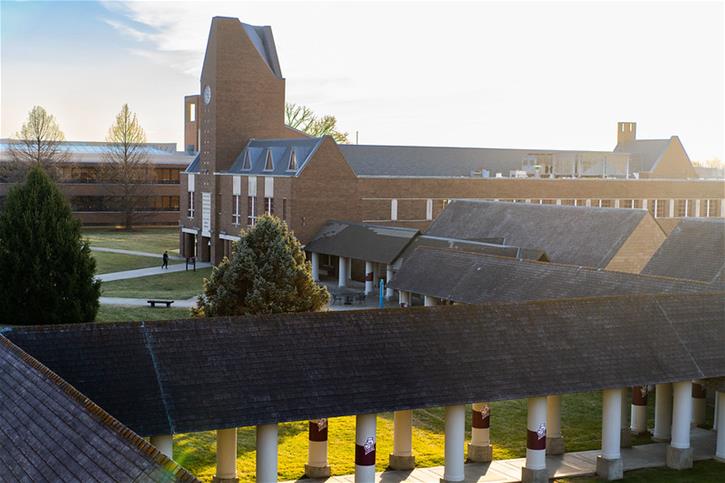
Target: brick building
{"x": 93, "y": 199}
{"x": 249, "y": 163}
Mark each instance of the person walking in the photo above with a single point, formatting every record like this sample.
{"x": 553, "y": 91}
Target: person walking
{"x": 165, "y": 263}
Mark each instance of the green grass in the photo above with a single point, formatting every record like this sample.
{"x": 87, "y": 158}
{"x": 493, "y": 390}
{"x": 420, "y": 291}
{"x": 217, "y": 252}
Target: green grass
{"x": 116, "y": 262}
{"x": 176, "y": 285}
{"x": 581, "y": 427}
{"x": 116, "y": 313}
{"x": 152, "y": 240}
{"x": 709, "y": 471}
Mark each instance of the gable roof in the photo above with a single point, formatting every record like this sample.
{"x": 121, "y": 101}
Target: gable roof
{"x": 54, "y": 433}
{"x": 570, "y": 235}
{"x": 645, "y": 153}
{"x": 695, "y": 250}
{"x": 280, "y": 150}
{"x": 259, "y": 369}
{"x": 435, "y": 161}
{"x": 372, "y": 243}
{"x": 475, "y": 278}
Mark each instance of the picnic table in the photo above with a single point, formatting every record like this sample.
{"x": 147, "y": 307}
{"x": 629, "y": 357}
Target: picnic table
{"x": 347, "y": 296}
{"x": 153, "y": 303}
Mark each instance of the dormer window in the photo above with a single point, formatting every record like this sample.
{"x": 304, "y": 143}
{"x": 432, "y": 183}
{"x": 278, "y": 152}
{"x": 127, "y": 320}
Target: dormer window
{"x": 268, "y": 163}
{"x": 292, "y": 161}
{"x": 247, "y": 164}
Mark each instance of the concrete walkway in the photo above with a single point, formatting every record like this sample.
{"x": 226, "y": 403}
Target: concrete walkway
{"x": 147, "y": 272}
{"x": 581, "y": 463}
{"x": 131, "y": 252}
{"x": 183, "y": 304}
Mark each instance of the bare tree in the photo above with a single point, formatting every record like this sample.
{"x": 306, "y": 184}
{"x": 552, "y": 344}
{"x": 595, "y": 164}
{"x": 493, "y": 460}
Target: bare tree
{"x": 38, "y": 143}
{"x": 126, "y": 164}
{"x": 303, "y": 119}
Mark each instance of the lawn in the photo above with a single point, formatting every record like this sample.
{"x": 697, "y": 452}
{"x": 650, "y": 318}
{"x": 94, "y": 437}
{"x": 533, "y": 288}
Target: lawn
{"x": 709, "y": 471}
{"x": 581, "y": 427}
{"x": 152, "y": 240}
{"x": 116, "y": 262}
{"x": 175, "y": 285}
{"x": 117, "y": 313}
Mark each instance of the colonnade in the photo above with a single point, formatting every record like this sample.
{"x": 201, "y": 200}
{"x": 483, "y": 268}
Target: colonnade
{"x": 673, "y": 416}
{"x": 373, "y": 274}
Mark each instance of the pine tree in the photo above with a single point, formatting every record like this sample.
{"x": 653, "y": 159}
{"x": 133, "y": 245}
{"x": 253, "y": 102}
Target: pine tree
{"x": 47, "y": 269}
{"x": 267, "y": 273}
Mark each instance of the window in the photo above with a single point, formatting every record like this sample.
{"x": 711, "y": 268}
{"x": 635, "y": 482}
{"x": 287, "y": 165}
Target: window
{"x": 268, "y": 206}
{"x": 192, "y": 112}
{"x": 292, "y": 161}
{"x": 247, "y": 164}
{"x": 712, "y": 208}
{"x": 190, "y": 210}
{"x": 566, "y": 202}
{"x": 269, "y": 162}
{"x": 428, "y": 209}
{"x": 658, "y": 208}
{"x": 236, "y": 216}
{"x": 606, "y": 203}
{"x": 251, "y": 210}
{"x": 393, "y": 209}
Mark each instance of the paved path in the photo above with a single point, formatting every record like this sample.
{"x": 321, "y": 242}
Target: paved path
{"x": 184, "y": 304}
{"x": 147, "y": 272}
{"x": 581, "y": 463}
{"x": 131, "y": 252}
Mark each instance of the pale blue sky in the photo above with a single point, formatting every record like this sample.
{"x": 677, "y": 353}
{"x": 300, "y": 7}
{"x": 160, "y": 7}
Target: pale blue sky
{"x": 529, "y": 75}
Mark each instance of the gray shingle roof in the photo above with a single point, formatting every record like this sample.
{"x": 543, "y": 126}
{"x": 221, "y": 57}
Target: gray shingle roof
{"x": 51, "y": 432}
{"x": 427, "y": 161}
{"x": 231, "y": 372}
{"x": 194, "y": 165}
{"x": 281, "y": 151}
{"x": 694, "y": 250}
{"x": 477, "y": 278}
{"x": 568, "y": 234}
{"x": 372, "y": 243}
{"x": 645, "y": 153}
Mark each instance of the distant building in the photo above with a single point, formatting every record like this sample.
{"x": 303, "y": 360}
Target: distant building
{"x": 93, "y": 200}
{"x": 249, "y": 163}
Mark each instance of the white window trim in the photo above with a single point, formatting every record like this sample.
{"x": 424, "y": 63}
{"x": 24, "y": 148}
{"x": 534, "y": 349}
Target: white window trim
{"x": 236, "y": 215}
{"x": 292, "y": 166}
{"x": 393, "y": 209}
{"x": 269, "y": 160}
{"x": 190, "y": 209}
{"x": 428, "y": 209}
{"x": 252, "y": 219}
{"x": 247, "y": 163}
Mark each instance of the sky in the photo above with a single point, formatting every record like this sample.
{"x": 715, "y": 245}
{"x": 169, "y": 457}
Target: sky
{"x": 528, "y": 75}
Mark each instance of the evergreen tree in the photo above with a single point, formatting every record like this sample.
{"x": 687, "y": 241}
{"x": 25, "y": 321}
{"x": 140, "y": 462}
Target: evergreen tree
{"x": 47, "y": 269}
{"x": 267, "y": 273}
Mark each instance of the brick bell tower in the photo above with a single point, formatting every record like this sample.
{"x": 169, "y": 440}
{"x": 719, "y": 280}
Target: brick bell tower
{"x": 242, "y": 94}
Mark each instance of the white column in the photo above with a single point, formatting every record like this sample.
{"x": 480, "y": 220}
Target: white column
{"x": 349, "y": 268}
{"x": 164, "y": 443}
{"x": 671, "y": 209}
{"x": 699, "y": 403}
{"x": 611, "y": 423}
{"x": 625, "y": 433}
{"x": 267, "y": 453}
{"x": 369, "y": 274}
{"x": 315, "y": 261}
{"x": 455, "y": 438}
{"x": 720, "y": 414}
{"x": 639, "y": 410}
{"x": 536, "y": 434}
{"x": 663, "y": 412}
{"x": 479, "y": 449}
{"x": 715, "y": 415}
{"x": 402, "y": 456}
{"x": 429, "y": 301}
{"x": 317, "y": 465}
{"x": 697, "y": 208}
{"x": 226, "y": 454}
{"x": 365, "y": 448}
{"x": 681, "y": 414}
{"x": 554, "y": 441}
{"x": 388, "y": 278}
{"x": 342, "y": 272}
{"x": 403, "y": 298}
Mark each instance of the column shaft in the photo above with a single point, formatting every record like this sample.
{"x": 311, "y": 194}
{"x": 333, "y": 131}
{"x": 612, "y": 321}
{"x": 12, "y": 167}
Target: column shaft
{"x": 679, "y": 452}
{"x": 699, "y": 403}
{"x": 720, "y": 445}
{"x": 226, "y": 454}
{"x": 368, "y": 278}
{"x": 365, "y": 441}
{"x": 479, "y": 449}
{"x": 164, "y": 443}
{"x": 388, "y": 278}
{"x": 342, "y": 272}
{"x": 536, "y": 434}
{"x": 315, "y": 262}
{"x": 554, "y": 441}
{"x": 455, "y": 438}
{"x": 611, "y": 423}
{"x": 429, "y": 301}
{"x": 267, "y": 453}
{"x": 402, "y": 456}
{"x": 317, "y": 465}
{"x": 639, "y": 410}
{"x": 663, "y": 412}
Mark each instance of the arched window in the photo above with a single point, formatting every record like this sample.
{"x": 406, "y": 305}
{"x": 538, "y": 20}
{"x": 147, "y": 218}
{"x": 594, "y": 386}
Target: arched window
{"x": 292, "y": 161}
{"x": 247, "y": 164}
{"x": 268, "y": 163}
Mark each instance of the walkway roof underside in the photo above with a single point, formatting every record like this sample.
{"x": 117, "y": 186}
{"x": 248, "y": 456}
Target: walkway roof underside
{"x": 203, "y": 374}
{"x": 475, "y": 278}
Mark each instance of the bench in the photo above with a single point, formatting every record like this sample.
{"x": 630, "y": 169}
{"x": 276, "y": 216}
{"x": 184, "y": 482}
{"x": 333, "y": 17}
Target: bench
{"x": 153, "y": 303}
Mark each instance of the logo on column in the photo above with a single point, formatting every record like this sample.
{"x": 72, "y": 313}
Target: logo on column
{"x": 643, "y": 391}
{"x": 485, "y": 412}
{"x": 321, "y": 423}
{"x": 369, "y": 445}
{"x": 541, "y": 432}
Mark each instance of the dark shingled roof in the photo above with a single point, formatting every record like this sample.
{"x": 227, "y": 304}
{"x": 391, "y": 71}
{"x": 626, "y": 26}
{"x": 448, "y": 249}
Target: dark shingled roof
{"x": 694, "y": 250}
{"x": 372, "y": 243}
{"x": 51, "y": 432}
{"x": 231, "y": 372}
{"x": 476, "y": 278}
{"x": 570, "y": 235}
{"x": 469, "y": 246}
